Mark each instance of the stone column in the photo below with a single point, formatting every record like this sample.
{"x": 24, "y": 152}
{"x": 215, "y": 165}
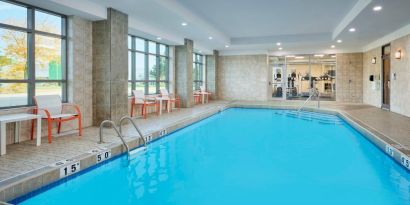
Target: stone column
{"x": 110, "y": 71}
{"x": 212, "y": 74}
{"x": 183, "y": 71}
{"x": 79, "y": 62}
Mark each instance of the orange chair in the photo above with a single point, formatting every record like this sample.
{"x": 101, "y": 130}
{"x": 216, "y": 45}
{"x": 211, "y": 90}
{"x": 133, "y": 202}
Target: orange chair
{"x": 170, "y": 99}
{"x": 139, "y": 98}
{"x": 51, "y": 108}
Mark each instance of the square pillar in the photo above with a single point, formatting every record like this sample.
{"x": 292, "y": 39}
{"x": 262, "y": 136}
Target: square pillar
{"x": 211, "y": 74}
{"x": 184, "y": 71}
{"x": 110, "y": 71}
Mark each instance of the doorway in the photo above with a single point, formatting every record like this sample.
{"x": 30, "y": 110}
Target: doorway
{"x": 386, "y": 76}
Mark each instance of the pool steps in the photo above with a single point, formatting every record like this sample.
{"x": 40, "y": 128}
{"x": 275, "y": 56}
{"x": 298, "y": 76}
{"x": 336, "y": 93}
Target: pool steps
{"x": 313, "y": 116}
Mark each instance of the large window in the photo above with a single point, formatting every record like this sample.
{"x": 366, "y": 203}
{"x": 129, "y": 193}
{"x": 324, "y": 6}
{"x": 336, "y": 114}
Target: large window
{"x": 32, "y": 54}
{"x": 198, "y": 72}
{"x": 148, "y": 65}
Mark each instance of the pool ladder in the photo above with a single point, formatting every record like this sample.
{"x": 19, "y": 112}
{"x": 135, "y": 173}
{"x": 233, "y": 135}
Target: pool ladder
{"x": 120, "y": 135}
{"x": 313, "y": 92}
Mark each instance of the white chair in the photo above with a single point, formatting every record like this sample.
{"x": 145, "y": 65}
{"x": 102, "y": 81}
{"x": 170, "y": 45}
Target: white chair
{"x": 208, "y": 94}
{"x": 139, "y": 98}
{"x": 51, "y": 108}
{"x": 170, "y": 98}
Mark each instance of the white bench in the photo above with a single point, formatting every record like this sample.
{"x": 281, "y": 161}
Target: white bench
{"x": 17, "y": 118}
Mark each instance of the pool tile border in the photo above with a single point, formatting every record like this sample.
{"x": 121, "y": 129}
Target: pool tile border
{"x": 22, "y": 185}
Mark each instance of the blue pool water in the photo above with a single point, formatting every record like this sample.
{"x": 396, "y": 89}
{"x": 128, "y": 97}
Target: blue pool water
{"x": 245, "y": 156}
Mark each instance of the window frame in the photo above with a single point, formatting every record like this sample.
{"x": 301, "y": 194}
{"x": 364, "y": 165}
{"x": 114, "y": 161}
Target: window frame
{"x": 200, "y": 64}
{"x": 31, "y": 33}
{"x": 147, "y": 54}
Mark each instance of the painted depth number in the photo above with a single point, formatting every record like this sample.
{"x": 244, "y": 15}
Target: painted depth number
{"x": 102, "y": 156}
{"x": 390, "y": 150}
{"x": 69, "y": 169}
{"x": 405, "y": 161}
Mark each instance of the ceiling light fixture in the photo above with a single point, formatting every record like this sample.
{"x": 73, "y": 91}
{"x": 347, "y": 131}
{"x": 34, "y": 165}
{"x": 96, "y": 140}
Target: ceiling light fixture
{"x": 278, "y": 43}
{"x": 339, "y": 41}
{"x": 227, "y": 46}
{"x": 377, "y": 8}
{"x": 280, "y": 48}
{"x": 184, "y": 24}
{"x": 333, "y": 46}
{"x": 352, "y": 29}
{"x": 210, "y": 37}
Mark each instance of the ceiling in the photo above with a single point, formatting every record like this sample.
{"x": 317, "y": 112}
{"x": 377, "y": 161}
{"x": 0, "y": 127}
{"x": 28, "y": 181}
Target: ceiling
{"x": 254, "y": 26}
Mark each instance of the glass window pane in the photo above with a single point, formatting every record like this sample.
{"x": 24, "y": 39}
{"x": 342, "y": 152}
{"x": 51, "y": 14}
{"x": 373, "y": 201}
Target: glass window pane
{"x": 163, "y": 50}
{"x": 152, "y": 47}
{"x": 48, "y": 58}
{"x": 152, "y": 87}
{"x": 152, "y": 67}
{"x": 139, "y": 44}
{"x": 163, "y": 68}
{"x": 129, "y": 88}
{"x": 12, "y": 14}
{"x": 129, "y": 42}
{"x": 13, "y": 94}
{"x": 140, "y": 86}
{"x": 49, "y": 89}
{"x": 13, "y": 54}
{"x": 48, "y": 22}
{"x": 139, "y": 66}
{"x": 129, "y": 65}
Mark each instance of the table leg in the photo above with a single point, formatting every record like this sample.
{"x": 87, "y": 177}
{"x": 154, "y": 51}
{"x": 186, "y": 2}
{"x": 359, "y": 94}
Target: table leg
{"x": 169, "y": 105}
{"x": 160, "y": 107}
{"x": 38, "y": 134}
{"x": 17, "y": 126}
{"x": 2, "y": 139}
{"x": 203, "y": 98}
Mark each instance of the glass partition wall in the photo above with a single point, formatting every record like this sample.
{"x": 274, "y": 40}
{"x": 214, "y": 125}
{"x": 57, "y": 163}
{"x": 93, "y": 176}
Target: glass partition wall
{"x": 297, "y": 75}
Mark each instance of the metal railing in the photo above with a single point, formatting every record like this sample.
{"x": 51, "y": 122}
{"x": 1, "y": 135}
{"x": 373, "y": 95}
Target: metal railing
{"x": 313, "y": 92}
{"x": 116, "y": 130}
{"x": 135, "y": 126}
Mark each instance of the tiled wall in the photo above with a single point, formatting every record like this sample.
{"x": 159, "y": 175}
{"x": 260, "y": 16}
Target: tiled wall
{"x": 211, "y": 74}
{"x": 79, "y": 77}
{"x": 349, "y": 77}
{"x": 372, "y": 89}
{"x": 243, "y": 77}
{"x": 400, "y": 85}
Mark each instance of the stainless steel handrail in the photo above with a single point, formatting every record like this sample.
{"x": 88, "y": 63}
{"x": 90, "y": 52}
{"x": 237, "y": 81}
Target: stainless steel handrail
{"x": 135, "y": 126}
{"x": 314, "y": 91}
{"x": 116, "y": 130}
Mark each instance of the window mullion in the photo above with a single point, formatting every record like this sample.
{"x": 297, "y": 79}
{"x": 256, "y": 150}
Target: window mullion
{"x": 158, "y": 68}
{"x": 146, "y": 74}
{"x": 31, "y": 55}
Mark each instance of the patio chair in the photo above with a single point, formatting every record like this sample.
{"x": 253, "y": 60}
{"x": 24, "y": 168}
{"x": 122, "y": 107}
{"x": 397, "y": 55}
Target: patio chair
{"x": 52, "y": 109}
{"x": 171, "y": 98}
{"x": 139, "y": 98}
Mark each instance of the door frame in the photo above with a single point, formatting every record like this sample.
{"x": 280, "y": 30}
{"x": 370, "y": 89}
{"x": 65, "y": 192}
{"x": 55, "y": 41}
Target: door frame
{"x": 383, "y": 56}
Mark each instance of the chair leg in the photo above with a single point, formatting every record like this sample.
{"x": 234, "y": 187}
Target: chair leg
{"x": 32, "y": 130}
{"x": 145, "y": 112}
{"x": 142, "y": 110}
{"x": 157, "y": 108}
{"x": 59, "y": 127}
{"x": 50, "y": 125}
{"x": 80, "y": 126}
{"x": 132, "y": 109}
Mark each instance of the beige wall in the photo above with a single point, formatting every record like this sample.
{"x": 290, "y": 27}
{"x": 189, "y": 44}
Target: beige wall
{"x": 400, "y": 87}
{"x": 349, "y": 77}
{"x": 372, "y": 90}
{"x": 243, "y": 77}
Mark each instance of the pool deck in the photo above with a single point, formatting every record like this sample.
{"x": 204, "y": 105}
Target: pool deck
{"x": 26, "y": 167}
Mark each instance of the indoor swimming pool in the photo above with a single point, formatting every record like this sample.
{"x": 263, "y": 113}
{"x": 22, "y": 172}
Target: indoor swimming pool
{"x": 244, "y": 156}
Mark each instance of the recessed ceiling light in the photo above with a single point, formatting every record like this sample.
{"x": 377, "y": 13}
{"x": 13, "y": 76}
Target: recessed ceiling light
{"x": 184, "y": 24}
{"x": 352, "y": 29}
{"x": 227, "y": 46}
{"x": 333, "y": 46}
{"x": 339, "y": 41}
{"x": 280, "y": 48}
{"x": 377, "y": 8}
{"x": 159, "y": 38}
{"x": 210, "y": 37}
{"x": 319, "y": 55}
{"x": 299, "y": 57}
{"x": 278, "y": 43}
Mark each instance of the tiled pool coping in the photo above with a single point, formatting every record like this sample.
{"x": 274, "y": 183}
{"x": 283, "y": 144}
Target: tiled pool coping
{"x": 29, "y": 182}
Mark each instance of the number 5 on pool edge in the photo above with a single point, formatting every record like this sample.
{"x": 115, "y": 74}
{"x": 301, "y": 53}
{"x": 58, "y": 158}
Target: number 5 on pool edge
{"x": 405, "y": 161}
{"x": 69, "y": 169}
